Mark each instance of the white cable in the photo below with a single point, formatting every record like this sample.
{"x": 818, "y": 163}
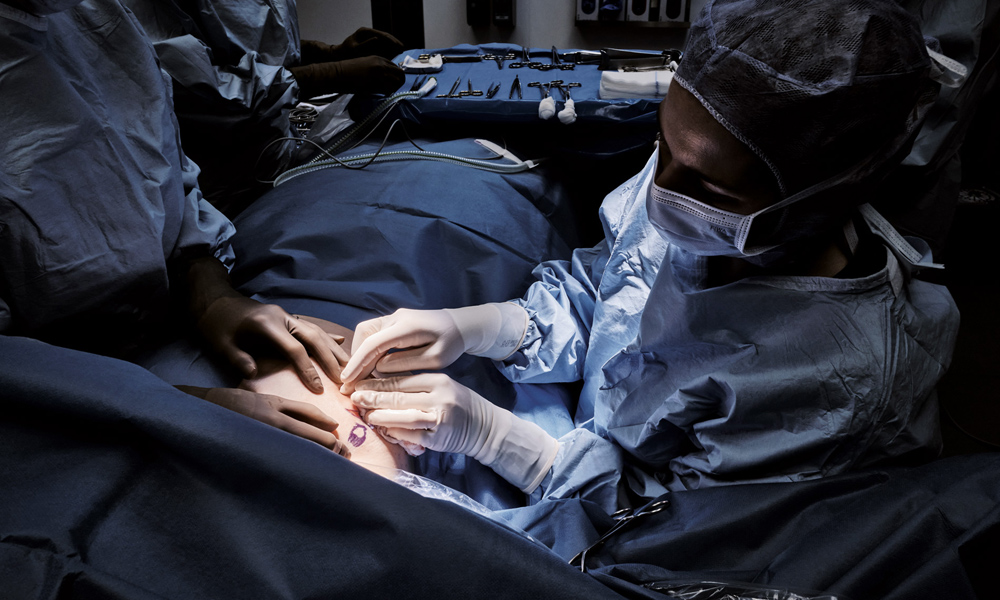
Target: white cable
{"x": 369, "y": 157}
{"x": 382, "y": 108}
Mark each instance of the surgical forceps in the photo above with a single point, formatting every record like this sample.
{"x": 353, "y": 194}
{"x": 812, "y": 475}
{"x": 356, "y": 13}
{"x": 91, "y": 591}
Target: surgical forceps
{"x": 499, "y": 58}
{"x": 492, "y": 90}
{"x": 470, "y": 91}
{"x": 516, "y": 85}
{"x": 547, "y": 107}
{"x": 558, "y": 63}
{"x": 544, "y": 87}
{"x": 419, "y": 82}
{"x": 622, "y": 518}
{"x": 564, "y": 88}
{"x": 454, "y": 88}
{"x": 525, "y": 61}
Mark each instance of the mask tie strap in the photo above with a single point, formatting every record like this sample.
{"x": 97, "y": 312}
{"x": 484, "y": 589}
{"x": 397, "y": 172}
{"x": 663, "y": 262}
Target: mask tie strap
{"x": 851, "y": 236}
{"x": 899, "y": 245}
{"x": 947, "y": 71}
{"x": 895, "y": 273}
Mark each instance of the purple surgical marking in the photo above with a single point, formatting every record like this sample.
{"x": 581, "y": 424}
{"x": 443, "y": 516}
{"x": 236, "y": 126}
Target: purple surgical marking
{"x": 355, "y": 439}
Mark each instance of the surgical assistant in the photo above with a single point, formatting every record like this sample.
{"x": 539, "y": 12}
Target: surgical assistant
{"x": 238, "y": 68}
{"x": 746, "y": 319}
{"x": 106, "y": 240}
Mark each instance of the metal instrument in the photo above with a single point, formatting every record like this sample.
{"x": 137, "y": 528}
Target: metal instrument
{"x": 454, "y": 89}
{"x": 515, "y": 86}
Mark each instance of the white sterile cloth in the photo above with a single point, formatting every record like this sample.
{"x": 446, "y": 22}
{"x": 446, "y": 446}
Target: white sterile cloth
{"x": 635, "y": 84}
{"x": 413, "y": 65}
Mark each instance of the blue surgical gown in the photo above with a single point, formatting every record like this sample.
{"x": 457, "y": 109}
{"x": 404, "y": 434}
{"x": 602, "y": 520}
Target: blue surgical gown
{"x": 96, "y": 196}
{"x": 232, "y": 89}
{"x": 775, "y": 378}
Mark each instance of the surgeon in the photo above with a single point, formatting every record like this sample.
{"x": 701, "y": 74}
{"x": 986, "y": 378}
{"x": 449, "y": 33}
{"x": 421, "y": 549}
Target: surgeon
{"x": 748, "y": 318}
{"x": 105, "y": 240}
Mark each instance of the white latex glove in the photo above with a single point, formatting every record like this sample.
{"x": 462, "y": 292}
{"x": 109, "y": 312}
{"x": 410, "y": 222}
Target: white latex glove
{"x": 434, "y": 411}
{"x": 433, "y": 339}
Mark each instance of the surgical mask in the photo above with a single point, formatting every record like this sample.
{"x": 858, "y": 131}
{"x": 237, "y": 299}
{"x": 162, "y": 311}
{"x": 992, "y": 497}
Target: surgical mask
{"x": 698, "y": 227}
{"x": 781, "y": 229}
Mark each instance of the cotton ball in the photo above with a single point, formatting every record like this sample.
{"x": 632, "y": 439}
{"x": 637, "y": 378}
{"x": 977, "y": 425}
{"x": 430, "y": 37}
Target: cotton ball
{"x": 568, "y": 114}
{"x": 547, "y": 108}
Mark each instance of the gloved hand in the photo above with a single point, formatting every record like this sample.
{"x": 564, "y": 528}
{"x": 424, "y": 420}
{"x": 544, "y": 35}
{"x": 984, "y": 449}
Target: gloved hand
{"x": 433, "y": 339}
{"x": 434, "y": 411}
{"x": 363, "y": 42}
{"x": 298, "y": 418}
{"x": 233, "y": 323}
{"x": 364, "y": 75}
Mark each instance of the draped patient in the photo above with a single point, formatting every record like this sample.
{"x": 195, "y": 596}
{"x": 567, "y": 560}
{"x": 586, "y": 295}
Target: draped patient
{"x": 278, "y": 377}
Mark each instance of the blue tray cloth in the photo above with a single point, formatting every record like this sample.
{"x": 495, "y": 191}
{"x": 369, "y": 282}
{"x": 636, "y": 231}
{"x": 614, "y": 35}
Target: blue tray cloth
{"x": 501, "y": 108}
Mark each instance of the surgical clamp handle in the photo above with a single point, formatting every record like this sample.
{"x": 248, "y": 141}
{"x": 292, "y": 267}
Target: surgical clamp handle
{"x": 622, "y": 518}
{"x": 564, "y": 88}
{"x": 499, "y": 58}
{"x": 470, "y": 91}
{"x": 525, "y": 60}
{"x": 558, "y": 63}
{"x": 543, "y": 87}
{"x": 454, "y": 88}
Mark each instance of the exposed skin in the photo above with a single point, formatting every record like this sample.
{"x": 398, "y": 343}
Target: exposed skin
{"x": 700, "y": 158}
{"x": 279, "y": 379}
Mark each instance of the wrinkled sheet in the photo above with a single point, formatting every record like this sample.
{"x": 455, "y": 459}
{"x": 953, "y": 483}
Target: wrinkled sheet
{"x": 233, "y": 90}
{"x": 925, "y": 532}
{"x": 95, "y": 194}
{"x": 116, "y": 485}
{"x": 348, "y": 245}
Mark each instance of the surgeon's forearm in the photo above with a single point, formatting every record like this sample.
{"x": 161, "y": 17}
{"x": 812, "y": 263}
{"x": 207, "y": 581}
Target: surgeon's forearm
{"x": 205, "y": 280}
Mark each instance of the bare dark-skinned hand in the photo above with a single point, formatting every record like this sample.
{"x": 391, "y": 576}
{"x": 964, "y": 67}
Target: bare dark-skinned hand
{"x": 368, "y": 74}
{"x": 231, "y": 324}
{"x": 298, "y": 418}
{"x": 372, "y": 42}
{"x": 363, "y": 42}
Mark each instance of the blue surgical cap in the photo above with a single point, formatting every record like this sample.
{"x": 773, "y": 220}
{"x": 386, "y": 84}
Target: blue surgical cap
{"x": 816, "y": 88}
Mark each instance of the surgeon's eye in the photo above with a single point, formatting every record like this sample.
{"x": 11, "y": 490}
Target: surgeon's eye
{"x": 707, "y": 187}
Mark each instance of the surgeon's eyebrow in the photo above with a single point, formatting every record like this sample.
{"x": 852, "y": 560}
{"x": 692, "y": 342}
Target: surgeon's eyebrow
{"x": 691, "y": 161}
{"x": 698, "y": 152}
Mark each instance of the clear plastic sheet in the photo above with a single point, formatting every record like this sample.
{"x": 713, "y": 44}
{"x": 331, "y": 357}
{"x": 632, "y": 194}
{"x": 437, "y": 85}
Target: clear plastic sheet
{"x": 429, "y": 488}
{"x": 714, "y": 590}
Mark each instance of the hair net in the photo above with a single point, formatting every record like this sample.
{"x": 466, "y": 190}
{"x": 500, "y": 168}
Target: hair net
{"x": 828, "y": 93}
